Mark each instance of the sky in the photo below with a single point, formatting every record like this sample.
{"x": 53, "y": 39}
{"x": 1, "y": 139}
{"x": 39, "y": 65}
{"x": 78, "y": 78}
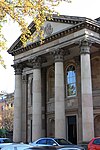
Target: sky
{"x": 81, "y": 8}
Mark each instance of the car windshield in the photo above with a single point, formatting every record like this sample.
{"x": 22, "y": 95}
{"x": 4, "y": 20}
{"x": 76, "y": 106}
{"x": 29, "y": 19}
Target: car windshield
{"x": 62, "y": 142}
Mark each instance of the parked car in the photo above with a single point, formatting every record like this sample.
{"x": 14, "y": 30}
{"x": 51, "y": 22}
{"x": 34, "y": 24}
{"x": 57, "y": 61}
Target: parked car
{"x": 54, "y": 142}
{"x": 14, "y": 146}
{"x": 5, "y": 142}
{"x": 51, "y": 148}
{"x": 94, "y": 144}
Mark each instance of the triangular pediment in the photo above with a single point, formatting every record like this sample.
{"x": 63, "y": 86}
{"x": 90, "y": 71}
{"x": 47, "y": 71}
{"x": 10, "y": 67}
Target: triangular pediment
{"x": 51, "y": 27}
{"x": 57, "y": 24}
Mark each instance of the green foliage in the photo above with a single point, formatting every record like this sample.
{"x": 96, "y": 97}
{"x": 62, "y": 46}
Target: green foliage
{"x": 3, "y": 133}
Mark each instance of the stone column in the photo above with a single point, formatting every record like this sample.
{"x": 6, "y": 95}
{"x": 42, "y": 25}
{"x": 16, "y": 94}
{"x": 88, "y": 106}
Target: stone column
{"x": 17, "y": 104}
{"x": 59, "y": 95}
{"x": 43, "y": 88}
{"x": 24, "y": 108}
{"x": 36, "y": 107}
{"x": 86, "y": 92}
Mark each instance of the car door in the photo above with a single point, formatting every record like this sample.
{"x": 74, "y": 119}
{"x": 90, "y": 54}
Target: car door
{"x": 96, "y": 143}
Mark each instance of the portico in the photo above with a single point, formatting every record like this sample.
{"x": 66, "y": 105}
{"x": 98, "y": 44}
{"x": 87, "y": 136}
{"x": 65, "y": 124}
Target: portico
{"x": 59, "y": 87}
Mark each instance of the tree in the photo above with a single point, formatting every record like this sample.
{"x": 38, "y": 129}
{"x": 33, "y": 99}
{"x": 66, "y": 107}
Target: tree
{"x": 8, "y": 119}
{"x": 3, "y": 133}
{"x": 37, "y": 10}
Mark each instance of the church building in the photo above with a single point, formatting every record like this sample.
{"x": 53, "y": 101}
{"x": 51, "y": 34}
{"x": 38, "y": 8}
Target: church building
{"x": 57, "y": 83}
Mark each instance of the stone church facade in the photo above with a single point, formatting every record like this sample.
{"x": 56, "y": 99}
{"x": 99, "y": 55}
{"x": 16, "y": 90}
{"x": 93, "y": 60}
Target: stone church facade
{"x": 57, "y": 83}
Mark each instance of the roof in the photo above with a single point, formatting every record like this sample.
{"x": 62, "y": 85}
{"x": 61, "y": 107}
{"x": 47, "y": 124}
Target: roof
{"x": 98, "y": 20}
{"x": 77, "y": 24}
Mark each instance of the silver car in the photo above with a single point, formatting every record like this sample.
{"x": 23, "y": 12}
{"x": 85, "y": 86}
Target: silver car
{"x": 55, "y": 142}
{"x": 5, "y": 142}
{"x": 52, "y": 148}
{"x": 15, "y": 146}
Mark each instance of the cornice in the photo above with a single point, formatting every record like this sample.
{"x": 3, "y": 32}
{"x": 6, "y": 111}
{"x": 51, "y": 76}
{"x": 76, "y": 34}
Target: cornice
{"x": 87, "y": 23}
{"x": 66, "y": 19}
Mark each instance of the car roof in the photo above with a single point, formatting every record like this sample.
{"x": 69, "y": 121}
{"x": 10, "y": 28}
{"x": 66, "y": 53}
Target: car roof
{"x": 44, "y": 138}
{"x": 49, "y": 138}
{"x": 95, "y": 138}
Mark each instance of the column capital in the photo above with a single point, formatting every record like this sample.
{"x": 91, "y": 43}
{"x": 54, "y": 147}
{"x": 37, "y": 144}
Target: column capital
{"x": 58, "y": 55}
{"x": 36, "y": 61}
{"x": 18, "y": 68}
{"x": 85, "y": 46}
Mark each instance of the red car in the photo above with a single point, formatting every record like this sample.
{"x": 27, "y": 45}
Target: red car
{"x": 94, "y": 144}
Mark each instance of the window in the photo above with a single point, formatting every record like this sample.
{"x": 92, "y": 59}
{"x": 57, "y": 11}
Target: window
{"x": 11, "y": 104}
{"x": 2, "y": 108}
{"x": 96, "y": 141}
{"x": 43, "y": 141}
{"x": 62, "y": 142}
{"x": 7, "y": 105}
{"x": 50, "y": 142}
{"x": 71, "y": 81}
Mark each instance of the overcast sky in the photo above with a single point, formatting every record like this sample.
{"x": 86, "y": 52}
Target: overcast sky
{"x": 82, "y": 8}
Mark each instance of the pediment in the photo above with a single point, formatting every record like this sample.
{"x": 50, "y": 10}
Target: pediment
{"x": 57, "y": 27}
{"x": 51, "y": 28}
{"x": 57, "y": 23}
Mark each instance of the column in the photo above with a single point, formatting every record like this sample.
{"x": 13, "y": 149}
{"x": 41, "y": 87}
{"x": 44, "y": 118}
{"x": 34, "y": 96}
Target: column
{"x": 59, "y": 95}
{"x": 24, "y": 108}
{"x": 17, "y": 104}
{"x": 86, "y": 92}
{"x": 43, "y": 88}
{"x": 36, "y": 107}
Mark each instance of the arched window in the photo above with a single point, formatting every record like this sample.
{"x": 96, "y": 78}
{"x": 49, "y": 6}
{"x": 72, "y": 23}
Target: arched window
{"x": 71, "y": 81}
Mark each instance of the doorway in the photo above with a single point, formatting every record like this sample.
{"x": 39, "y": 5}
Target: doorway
{"x": 72, "y": 129}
